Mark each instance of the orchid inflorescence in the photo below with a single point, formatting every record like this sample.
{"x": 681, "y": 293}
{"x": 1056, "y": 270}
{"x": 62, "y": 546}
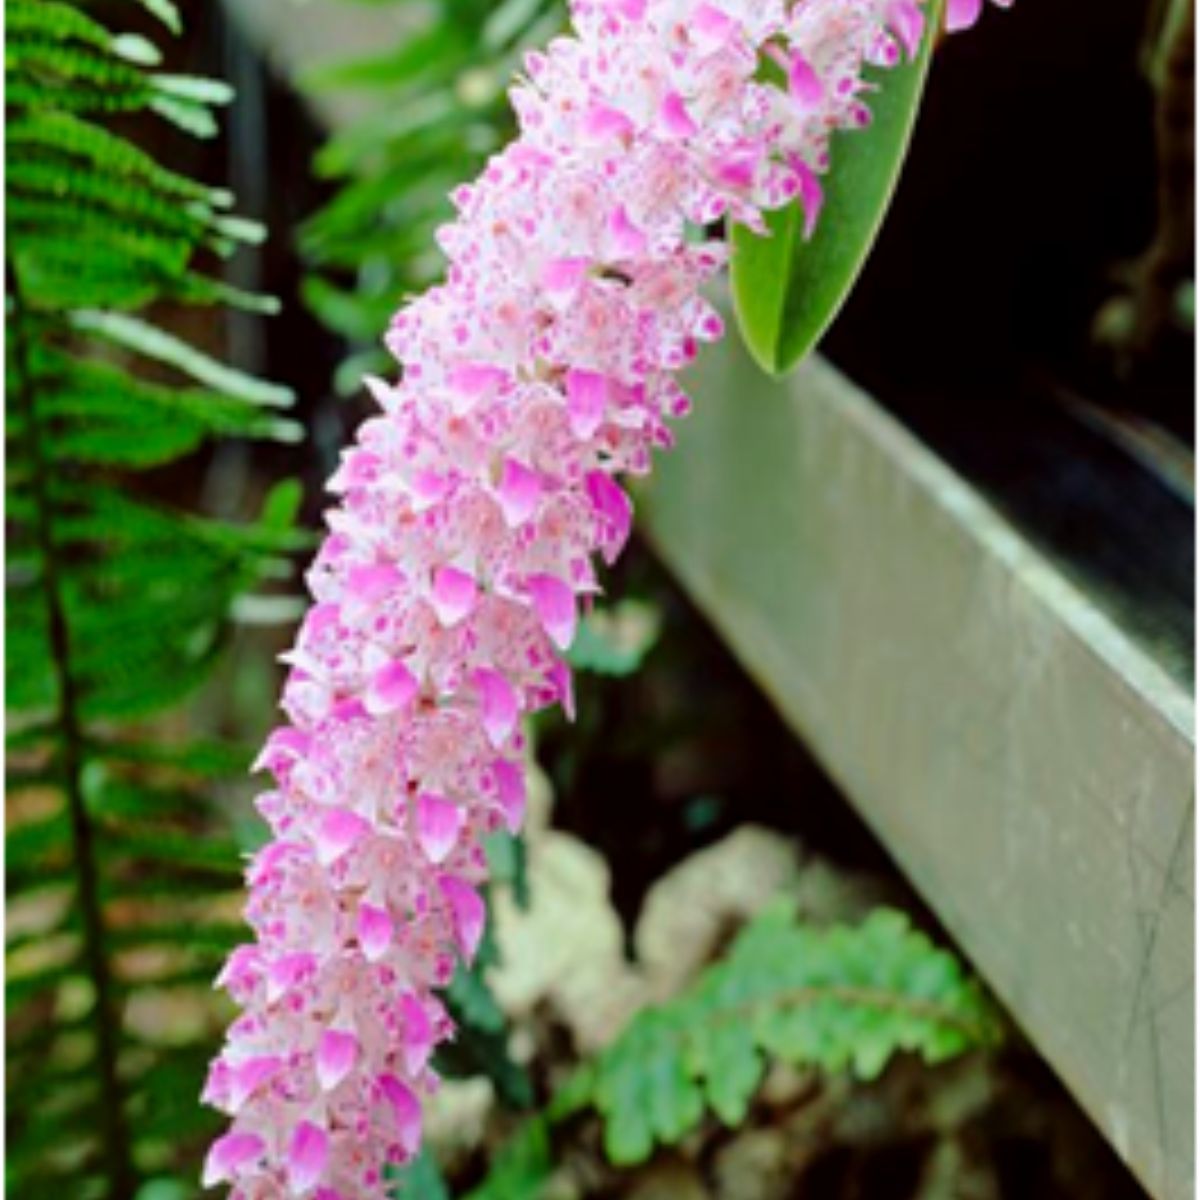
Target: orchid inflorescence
{"x": 473, "y": 510}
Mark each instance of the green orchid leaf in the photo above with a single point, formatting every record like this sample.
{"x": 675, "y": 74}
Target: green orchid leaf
{"x": 788, "y": 287}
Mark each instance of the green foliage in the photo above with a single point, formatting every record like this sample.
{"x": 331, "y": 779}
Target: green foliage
{"x": 421, "y": 1179}
{"x": 435, "y": 107}
{"x": 787, "y": 289}
{"x": 480, "y": 1045}
{"x": 122, "y": 882}
{"x": 615, "y": 640}
{"x": 840, "y": 999}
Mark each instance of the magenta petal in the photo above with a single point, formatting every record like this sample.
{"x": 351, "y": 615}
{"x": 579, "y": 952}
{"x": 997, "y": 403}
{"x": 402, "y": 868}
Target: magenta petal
{"x": 803, "y": 81}
{"x": 601, "y": 122}
{"x": 510, "y": 788}
{"x": 439, "y": 822}
{"x": 374, "y": 930}
{"x": 406, "y": 1109}
{"x": 737, "y": 168}
{"x": 288, "y": 971}
{"x": 283, "y": 747}
{"x": 467, "y": 912}
{"x": 711, "y": 26}
{"x": 908, "y": 22}
{"x": 499, "y": 705}
{"x": 554, "y": 603}
{"x": 248, "y": 1076}
{"x": 612, "y": 505}
{"x": 454, "y": 594}
{"x": 628, "y": 240}
{"x": 563, "y": 274}
{"x": 587, "y": 397}
{"x": 228, "y": 1155}
{"x": 392, "y": 687}
{"x": 338, "y": 830}
{"x": 418, "y": 1037}
{"x": 307, "y": 1155}
{"x": 427, "y": 488}
{"x": 337, "y": 1052}
{"x": 962, "y": 14}
{"x": 519, "y": 492}
{"x": 562, "y": 681}
{"x": 812, "y": 195}
{"x": 676, "y": 119}
{"x": 476, "y": 379}
{"x": 372, "y": 583}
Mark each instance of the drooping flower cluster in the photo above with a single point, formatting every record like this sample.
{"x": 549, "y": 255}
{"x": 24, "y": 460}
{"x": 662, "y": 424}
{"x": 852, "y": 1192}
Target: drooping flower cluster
{"x": 473, "y": 510}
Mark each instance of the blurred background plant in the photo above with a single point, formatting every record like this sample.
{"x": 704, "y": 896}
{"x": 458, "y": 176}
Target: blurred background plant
{"x": 432, "y": 107}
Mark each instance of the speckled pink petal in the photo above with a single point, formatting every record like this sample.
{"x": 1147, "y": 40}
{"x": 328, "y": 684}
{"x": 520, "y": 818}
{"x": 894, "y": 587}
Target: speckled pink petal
{"x": 308, "y": 1153}
{"x": 612, "y": 504}
{"x": 675, "y": 118}
{"x": 510, "y": 791}
{"x": 812, "y": 195}
{"x": 338, "y": 831}
{"x": 288, "y": 972}
{"x": 587, "y": 397}
{"x": 712, "y": 27}
{"x": 392, "y": 687}
{"x": 249, "y": 1075}
{"x": 476, "y": 379}
{"x": 375, "y": 930}
{"x": 418, "y": 1036}
{"x": 454, "y": 595}
{"x": 499, "y": 705}
{"x": 628, "y": 240}
{"x": 371, "y": 583}
{"x": 803, "y": 81}
{"x": 406, "y": 1111}
{"x": 908, "y": 23}
{"x": 564, "y": 688}
{"x": 468, "y": 913}
{"x": 554, "y": 603}
{"x": 631, "y": 10}
{"x": 427, "y": 488}
{"x": 602, "y": 122}
{"x": 563, "y": 275}
{"x": 439, "y": 822}
{"x": 228, "y": 1155}
{"x": 518, "y": 493}
{"x": 337, "y": 1052}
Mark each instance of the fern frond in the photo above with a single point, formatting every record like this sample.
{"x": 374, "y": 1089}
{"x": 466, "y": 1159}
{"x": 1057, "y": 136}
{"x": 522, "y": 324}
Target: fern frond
{"x": 186, "y": 115}
{"x": 126, "y": 200}
{"x": 33, "y": 220}
{"x": 52, "y": 21}
{"x": 94, "y": 147}
{"x": 843, "y": 999}
{"x": 194, "y": 89}
{"x": 52, "y": 74}
{"x": 119, "y": 869}
{"x": 87, "y": 390}
{"x": 166, "y": 12}
{"x": 130, "y": 333}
